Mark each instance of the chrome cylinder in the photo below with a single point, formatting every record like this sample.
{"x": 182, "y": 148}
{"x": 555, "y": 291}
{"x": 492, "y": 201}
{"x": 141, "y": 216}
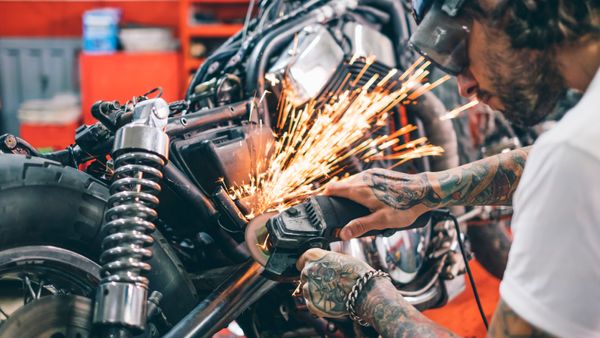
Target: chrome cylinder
{"x": 123, "y": 304}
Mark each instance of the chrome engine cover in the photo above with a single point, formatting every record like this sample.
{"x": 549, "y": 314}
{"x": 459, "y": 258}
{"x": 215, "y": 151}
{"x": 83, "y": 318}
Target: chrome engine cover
{"x": 402, "y": 255}
{"x": 308, "y": 63}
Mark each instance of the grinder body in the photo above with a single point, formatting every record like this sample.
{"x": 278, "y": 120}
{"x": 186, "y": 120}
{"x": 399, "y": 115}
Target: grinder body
{"x": 313, "y": 224}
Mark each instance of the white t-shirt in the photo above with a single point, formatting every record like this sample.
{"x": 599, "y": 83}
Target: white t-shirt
{"x": 553, "y": 275}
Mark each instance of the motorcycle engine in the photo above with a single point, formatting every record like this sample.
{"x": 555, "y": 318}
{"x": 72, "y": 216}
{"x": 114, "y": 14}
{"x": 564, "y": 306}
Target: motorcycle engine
{"x": 308, "y": 51}
{"x": 315, "y": 64}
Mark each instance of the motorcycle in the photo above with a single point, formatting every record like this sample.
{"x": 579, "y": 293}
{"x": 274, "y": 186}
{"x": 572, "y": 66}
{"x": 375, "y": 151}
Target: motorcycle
{"x": 130, "y": 232}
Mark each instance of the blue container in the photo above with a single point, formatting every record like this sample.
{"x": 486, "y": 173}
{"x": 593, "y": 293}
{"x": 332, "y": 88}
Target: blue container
{"x": 100, "y": 30}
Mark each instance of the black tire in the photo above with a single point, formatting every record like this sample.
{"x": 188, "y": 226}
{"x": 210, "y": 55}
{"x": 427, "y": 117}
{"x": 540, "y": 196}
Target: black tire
{"x": 45, "y": 203}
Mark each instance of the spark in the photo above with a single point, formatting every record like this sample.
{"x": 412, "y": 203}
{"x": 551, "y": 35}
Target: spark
{"x": 264, "y": 94}
{"x": 272, "y": 78}
{"x": 455, "y": 112}
{"x": 298, "y": 290}
{"x": 315, "y": 142}
{"x": 265, "y": 245}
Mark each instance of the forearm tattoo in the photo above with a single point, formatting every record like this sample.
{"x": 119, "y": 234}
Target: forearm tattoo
{"x": 383, "y": 307}
{"x": 491, "y": 181}
{"x": 507, "y": 324}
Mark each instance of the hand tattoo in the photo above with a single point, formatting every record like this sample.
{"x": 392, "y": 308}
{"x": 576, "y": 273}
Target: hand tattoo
{"x": 397, "y": 190}
{"x": 491, "y": 181}
{"x": 330, "y": 280}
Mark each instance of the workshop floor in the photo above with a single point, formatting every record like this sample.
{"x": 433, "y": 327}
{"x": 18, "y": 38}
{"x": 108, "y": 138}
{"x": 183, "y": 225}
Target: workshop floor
{"x": 461, "y": 315}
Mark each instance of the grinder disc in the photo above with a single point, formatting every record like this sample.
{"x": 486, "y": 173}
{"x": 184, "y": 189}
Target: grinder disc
{"x": 256, "y": 237}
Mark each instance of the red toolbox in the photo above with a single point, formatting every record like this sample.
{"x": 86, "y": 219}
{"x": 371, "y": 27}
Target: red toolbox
{"x": 121, "y": 76}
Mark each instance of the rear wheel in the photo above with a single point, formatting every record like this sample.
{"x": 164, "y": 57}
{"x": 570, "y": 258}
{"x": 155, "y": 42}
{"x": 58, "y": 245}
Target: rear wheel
{"x": 43, "y": 203}
{"x": 45, "y": 292}
{"x": 60, "y": 316}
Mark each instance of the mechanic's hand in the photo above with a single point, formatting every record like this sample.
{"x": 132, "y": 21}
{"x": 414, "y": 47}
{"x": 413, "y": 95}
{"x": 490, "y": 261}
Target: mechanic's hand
{"x": 395, "y": 199}
{"x": 327, "y": 279}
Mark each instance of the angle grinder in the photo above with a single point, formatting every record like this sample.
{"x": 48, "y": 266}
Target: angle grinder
{"x": 277, "y": 240}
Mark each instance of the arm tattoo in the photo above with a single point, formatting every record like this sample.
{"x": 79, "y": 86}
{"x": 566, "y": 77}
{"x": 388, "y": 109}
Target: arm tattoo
{"x": 491, "y": 181}
{"x": 507, "y": 324}
{"x": 383, "y": 306}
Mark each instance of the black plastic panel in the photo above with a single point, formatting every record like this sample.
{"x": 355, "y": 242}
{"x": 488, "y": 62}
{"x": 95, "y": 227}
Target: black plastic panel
{"x": 228, "y": 154}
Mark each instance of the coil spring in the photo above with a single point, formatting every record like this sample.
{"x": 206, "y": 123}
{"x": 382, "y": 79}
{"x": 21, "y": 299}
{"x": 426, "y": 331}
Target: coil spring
{"x": 129, "y": 219}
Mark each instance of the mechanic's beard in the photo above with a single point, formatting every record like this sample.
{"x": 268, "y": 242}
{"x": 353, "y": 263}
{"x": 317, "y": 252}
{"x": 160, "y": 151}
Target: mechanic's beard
{"x": 531, "y": 88}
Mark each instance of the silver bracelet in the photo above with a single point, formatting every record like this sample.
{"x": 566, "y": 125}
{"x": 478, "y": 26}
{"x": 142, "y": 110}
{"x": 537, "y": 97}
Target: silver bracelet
{"x": 356, "y": 290}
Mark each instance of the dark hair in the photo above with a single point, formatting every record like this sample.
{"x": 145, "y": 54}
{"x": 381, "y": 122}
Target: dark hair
{"x": 542, "y": 24}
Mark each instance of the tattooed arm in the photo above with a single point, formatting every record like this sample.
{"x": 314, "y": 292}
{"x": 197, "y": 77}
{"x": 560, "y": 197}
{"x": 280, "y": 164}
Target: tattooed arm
{"x": 381, "y": 305}
{"x": 397, "y": 199}
{"x": 328, "y": 278}
{"x": 491, "y": 181}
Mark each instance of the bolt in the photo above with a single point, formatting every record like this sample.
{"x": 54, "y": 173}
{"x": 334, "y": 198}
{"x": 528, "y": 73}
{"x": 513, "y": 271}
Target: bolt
{"x": 293, "y": 212}
{"x": 10, "y": 141}
{"x": 155, "y": 297}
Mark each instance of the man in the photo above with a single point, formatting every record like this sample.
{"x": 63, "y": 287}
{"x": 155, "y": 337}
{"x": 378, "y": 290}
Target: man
{"x": 518, "y": 56}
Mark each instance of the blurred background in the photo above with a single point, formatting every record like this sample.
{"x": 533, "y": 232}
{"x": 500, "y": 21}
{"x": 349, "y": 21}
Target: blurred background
{"x": 58, "y": 57}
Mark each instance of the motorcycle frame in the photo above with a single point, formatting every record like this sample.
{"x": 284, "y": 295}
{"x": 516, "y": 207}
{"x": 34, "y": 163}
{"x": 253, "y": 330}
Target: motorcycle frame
{"x": 246, "y": 284}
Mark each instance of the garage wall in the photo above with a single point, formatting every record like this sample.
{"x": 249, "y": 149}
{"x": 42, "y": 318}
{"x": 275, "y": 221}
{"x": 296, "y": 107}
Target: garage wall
{"x": 63, "y": 18}
{"x": 34, "y": 69}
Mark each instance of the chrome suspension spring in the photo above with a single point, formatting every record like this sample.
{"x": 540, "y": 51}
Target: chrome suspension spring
{"x": 129, "y": 219}
{"x": 140, "y": 151}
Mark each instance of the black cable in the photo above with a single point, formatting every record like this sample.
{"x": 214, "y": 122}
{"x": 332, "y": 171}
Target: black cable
{"x": 248, "y": 17}
{"x": 446, "y": 214}
{"x": 471, "y": 280}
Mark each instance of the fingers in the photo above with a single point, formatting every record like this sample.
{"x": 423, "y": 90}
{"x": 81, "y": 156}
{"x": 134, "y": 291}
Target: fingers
{"x": 353, "y": 191}
{"x": 340, "y": 189}
{"x": 357, "y": 189}
{"x": 310, "y": 255}
{"x": 362, "y": 225}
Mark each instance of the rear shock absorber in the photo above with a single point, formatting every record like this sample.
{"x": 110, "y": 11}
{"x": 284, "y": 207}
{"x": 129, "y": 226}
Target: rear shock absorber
{"x": 140, "y": 152}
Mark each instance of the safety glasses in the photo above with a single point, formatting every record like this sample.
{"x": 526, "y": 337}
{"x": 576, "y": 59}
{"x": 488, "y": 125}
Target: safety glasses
{"x": 442, "y": 35}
